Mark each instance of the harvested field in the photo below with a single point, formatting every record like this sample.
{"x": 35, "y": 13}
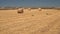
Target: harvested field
{"x": 46, "y": 21}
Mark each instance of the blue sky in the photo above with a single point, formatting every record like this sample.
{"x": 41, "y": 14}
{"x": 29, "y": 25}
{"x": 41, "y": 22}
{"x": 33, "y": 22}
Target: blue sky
{"x": 30, "y": 3}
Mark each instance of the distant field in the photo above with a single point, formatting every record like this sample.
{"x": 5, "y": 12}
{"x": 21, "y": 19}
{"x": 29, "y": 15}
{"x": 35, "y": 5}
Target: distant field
{"x": 46, "y": 21}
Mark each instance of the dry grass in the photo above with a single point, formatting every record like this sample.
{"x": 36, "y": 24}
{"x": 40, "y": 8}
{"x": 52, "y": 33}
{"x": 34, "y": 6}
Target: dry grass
{"x": 46, "y": 21}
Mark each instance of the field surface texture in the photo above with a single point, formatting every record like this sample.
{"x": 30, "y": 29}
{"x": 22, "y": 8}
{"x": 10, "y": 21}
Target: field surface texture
{"x": 46, "y": 21}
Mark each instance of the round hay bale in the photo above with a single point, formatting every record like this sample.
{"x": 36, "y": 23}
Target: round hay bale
{"x": 39, "y": 9}
{"x": 29, "y": 9}
{"x": 20, "y": 10}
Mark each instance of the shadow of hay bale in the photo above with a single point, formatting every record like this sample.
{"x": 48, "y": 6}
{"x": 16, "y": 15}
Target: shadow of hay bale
{"x": 19, "y": 12}
{"x": 48, "y": 14}
{"x": 32, "y": 15}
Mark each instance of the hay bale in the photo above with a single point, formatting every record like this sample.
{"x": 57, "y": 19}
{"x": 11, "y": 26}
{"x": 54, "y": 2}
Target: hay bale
{"x": 39, "y": 9}
{"x": 20, "y": 10}
{"x": 29, "y": 9}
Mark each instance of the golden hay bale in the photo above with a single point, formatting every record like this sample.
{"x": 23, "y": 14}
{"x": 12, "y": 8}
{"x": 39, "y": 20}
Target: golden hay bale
{"x": 20, "y": 10}
{"x": 39, "y": 9}
{"x": 29, "y": 9}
